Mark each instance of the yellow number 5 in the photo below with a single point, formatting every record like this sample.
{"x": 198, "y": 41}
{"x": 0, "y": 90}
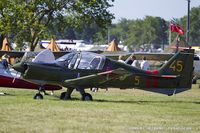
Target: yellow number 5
{"x": 137, "y": 80}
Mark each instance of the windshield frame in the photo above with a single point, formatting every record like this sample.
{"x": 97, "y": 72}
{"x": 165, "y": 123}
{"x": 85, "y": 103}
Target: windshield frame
{"x": 89, "y": 60}
{"x": 82, "y": 60}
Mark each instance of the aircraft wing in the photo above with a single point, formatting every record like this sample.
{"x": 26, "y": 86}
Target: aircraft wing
{"x": 13, "y": 54}
{"x": 60, "y": 53}
{"x": 95, "y": 80}
{"x": 21, "y": 53}
{"x": 154, "y": 56}
{"x": 115, "y": 55}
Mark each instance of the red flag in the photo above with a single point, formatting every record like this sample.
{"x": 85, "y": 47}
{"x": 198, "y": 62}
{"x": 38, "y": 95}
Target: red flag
{"x": 176, "y": 28}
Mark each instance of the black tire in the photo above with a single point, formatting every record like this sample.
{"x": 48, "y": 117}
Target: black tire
{"x": 64, "y": 97}
{"x": 170, "y": 94}
{"x": 194, "y": 81}
{"x": 86, "y": 97}
{"x": 38, "y": 96}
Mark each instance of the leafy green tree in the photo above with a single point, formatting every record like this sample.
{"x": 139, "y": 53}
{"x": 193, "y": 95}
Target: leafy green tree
{"x": 194, "y": 25}
{"x": 134, "y": 33}
{"x": 151, "y": 30}
{"x": 119, "y": 31}
{"x": 115, "y": 31}
{"x": 27, "y": 21}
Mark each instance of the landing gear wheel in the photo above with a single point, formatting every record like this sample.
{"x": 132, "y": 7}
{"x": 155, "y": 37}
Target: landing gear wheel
{"x": 38, "y": 96}
{"x": 64, "y": 96}
{"x": 194, "y": 81}
{"x": 86, "y": 97}
{"x": 170, "y": 94}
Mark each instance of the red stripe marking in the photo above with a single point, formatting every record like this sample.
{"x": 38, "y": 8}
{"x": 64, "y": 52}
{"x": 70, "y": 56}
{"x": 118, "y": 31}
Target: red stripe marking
{"x": 153, "y": 81}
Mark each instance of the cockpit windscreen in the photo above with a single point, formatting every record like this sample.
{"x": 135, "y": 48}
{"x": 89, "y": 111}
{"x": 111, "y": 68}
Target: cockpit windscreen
{"x": 83, "y": 60}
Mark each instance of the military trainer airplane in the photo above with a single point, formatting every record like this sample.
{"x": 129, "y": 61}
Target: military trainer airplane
{"x": 80, "y": 70}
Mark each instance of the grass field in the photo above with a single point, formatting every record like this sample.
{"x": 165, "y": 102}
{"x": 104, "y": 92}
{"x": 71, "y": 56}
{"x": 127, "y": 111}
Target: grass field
{"x": 117, "y": 111}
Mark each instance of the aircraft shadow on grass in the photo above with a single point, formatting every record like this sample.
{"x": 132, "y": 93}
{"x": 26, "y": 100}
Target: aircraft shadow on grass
{"x": 144, "y": 101}
{"x": 6, "y": 94}
{"x": 133, "y": 102}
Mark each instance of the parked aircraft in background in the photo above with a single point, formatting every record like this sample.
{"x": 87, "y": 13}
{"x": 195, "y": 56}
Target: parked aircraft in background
{"x": 20, "y": 54}
{"x": 10, "y": 78}
{"x": 83, "y": 70}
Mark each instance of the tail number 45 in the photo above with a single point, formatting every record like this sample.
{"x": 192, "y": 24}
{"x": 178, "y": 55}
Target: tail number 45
{"x": 177, "y": 66}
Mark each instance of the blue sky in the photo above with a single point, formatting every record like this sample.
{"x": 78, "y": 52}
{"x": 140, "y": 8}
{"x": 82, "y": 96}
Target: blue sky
{"x": 167, "y": 9}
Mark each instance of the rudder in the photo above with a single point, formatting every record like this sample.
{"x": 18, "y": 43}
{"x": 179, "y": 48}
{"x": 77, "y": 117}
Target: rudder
{"x": 181, "y": 64}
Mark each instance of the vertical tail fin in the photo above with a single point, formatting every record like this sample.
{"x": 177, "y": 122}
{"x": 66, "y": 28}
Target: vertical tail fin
{"x": 180, "y": 64}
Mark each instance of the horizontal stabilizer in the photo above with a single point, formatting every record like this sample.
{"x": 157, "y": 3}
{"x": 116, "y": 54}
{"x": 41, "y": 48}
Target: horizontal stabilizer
{"x": 168, "y": 92}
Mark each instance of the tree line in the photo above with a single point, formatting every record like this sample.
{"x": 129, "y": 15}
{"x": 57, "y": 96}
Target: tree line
{"x": 155, "y": 30}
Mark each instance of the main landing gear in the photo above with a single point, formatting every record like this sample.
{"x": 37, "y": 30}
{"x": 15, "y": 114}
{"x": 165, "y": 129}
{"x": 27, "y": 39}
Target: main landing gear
{"x": 66, "y": 95}
{"x": 39, "y": 96}
{"x": 84, "y": 96}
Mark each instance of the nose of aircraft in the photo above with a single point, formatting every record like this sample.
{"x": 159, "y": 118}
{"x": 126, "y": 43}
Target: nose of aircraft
{"x": 19, "y": 67}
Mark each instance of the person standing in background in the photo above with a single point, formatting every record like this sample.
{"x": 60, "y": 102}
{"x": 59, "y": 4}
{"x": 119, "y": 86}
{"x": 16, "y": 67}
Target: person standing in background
{"x": 120, "y": 59}
{"x": 135, "y": 62}
{"x": 4, "y": 61}
{"x": 144, "y": 64}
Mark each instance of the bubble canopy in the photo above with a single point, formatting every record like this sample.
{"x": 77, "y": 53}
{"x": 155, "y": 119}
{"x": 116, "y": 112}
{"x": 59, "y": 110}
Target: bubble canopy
{"x": 82, "y": 60}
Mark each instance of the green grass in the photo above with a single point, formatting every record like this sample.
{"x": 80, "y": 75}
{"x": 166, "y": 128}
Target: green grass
{"x": 116, "y": 111}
